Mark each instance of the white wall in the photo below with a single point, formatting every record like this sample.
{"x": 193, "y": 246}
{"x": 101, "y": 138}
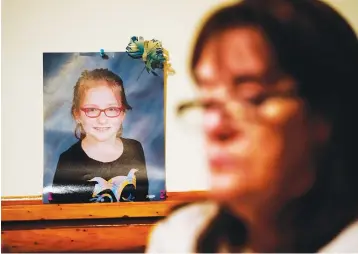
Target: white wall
{"x": 31, "y": 27}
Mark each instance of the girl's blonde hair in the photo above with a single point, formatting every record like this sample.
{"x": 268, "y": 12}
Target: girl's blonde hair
{"x": 82, "y": 86}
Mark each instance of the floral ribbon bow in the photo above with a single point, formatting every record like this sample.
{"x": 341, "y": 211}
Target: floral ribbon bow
{"x": 152, "y": 53}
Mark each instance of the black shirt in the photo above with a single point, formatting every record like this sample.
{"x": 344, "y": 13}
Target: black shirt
{"x": 81, "y": 179}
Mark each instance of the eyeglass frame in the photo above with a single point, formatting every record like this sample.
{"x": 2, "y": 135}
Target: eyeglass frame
{"x": 121, "y": 109}
{"x": 198, "y": 103}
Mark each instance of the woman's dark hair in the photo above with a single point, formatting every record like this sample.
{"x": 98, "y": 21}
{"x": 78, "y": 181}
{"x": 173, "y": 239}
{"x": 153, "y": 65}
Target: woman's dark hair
{"x": 317, "y": 47}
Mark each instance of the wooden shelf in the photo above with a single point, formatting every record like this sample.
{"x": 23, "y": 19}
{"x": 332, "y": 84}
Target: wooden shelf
{"x": 33, "y": 209}
{"x": 30, "y": 226}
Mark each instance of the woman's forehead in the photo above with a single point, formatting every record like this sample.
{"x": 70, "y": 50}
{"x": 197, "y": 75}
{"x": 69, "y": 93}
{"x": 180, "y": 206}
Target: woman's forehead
{"x": 239, "y": 51}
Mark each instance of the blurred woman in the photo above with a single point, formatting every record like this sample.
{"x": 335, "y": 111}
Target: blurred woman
{"x": 276, "y": 84}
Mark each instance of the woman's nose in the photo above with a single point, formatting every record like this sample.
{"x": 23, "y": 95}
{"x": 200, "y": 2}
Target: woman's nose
{"x": 219, "y": 127}
{"x": 212, "y": 121}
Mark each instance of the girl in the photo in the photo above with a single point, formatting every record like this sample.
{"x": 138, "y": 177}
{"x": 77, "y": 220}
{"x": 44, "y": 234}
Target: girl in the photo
{"x": 102, "y": 166}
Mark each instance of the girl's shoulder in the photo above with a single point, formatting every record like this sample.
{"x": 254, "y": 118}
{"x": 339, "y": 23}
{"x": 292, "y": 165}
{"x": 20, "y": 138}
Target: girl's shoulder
{"x": 132, "y": 145}
{"x": 180, "y": 230}
{"x": 73, "y": 150}
{"x": 130, "y": 141}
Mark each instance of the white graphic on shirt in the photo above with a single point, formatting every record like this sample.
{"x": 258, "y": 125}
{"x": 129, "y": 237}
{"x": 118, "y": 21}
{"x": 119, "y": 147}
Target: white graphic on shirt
{"x": 113, "y": 186}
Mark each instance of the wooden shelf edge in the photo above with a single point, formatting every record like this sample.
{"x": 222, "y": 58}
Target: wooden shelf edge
{"x": 32, "y": 209}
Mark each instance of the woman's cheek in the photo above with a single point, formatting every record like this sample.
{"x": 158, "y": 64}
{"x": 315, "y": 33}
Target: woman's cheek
{"x": 279, "y": 112}
{"x": 280, "y": 120}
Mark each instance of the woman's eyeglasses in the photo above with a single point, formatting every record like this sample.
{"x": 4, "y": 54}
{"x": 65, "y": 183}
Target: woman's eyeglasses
{"x": 237, "y": 107}
{"x": 109, "y": 112}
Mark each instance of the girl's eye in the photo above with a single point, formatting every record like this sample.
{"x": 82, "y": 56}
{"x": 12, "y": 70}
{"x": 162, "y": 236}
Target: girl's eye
{"x": 113, "y": 109}
{"x": 91, "y": 109}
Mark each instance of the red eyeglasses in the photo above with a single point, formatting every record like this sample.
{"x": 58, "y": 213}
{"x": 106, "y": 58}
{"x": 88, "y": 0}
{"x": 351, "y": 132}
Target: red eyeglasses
{"x": 109, "y": 112}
